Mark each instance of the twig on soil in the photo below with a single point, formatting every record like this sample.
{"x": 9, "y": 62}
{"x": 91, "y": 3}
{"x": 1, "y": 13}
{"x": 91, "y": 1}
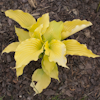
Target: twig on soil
{"x": 43, "y": 8}
{"x": 98, "y": 7}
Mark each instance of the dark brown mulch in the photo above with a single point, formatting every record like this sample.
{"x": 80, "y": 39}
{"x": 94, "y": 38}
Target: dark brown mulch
{"x": 83, "y": 78}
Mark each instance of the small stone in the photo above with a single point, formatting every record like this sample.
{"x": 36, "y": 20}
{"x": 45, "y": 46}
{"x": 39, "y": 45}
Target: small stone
{"x": 75, "y": 11}
{"x": 20, "y": 96}
{"x": 87, "y": 33}
{"x": 8, "y": 58}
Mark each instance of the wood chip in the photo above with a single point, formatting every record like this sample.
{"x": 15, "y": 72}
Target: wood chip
{"x": 35, "y": 14}
{"x": 33, "y": 3}
{"x": 49, "y": 92}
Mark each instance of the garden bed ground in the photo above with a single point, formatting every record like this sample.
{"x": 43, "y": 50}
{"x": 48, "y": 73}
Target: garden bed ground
{"x": 82, "y": 80}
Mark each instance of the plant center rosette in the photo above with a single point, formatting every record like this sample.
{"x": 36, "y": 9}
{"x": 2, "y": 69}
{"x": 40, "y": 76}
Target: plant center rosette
{"x": 45, "y": 39}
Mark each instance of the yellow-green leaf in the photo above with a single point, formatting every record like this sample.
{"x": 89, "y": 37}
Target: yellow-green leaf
{"x": 71, "y": 27}
{"x": 47, "y": 65}
{"x": 11, "y": 47}
{"x": 19, "y": 71}
{"x": 37, "y": 33}
{"x": 53, "y": 31}
{"x": 42, "y": 20}
{"x": 50, "y": 68}
{"x": 56, "y": 51}
{"x": 24, "y": 19}
{"x": 27, "y": 51}
{"x": 22, "y": 34}
{"x": 42, "y": 79}
{"x": 73, "y": 47}
{"x": 54, "y": 73}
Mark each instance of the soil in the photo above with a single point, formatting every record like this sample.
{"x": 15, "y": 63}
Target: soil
{"x": 81, "y": 81}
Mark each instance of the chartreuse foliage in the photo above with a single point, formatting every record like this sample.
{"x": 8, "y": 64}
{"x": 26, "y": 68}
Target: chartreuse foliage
{"x": 45, "y": 39}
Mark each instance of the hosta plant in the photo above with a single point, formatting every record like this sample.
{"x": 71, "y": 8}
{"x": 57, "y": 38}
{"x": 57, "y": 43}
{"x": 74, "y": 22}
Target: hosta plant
{"x": 45, "y": 39}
